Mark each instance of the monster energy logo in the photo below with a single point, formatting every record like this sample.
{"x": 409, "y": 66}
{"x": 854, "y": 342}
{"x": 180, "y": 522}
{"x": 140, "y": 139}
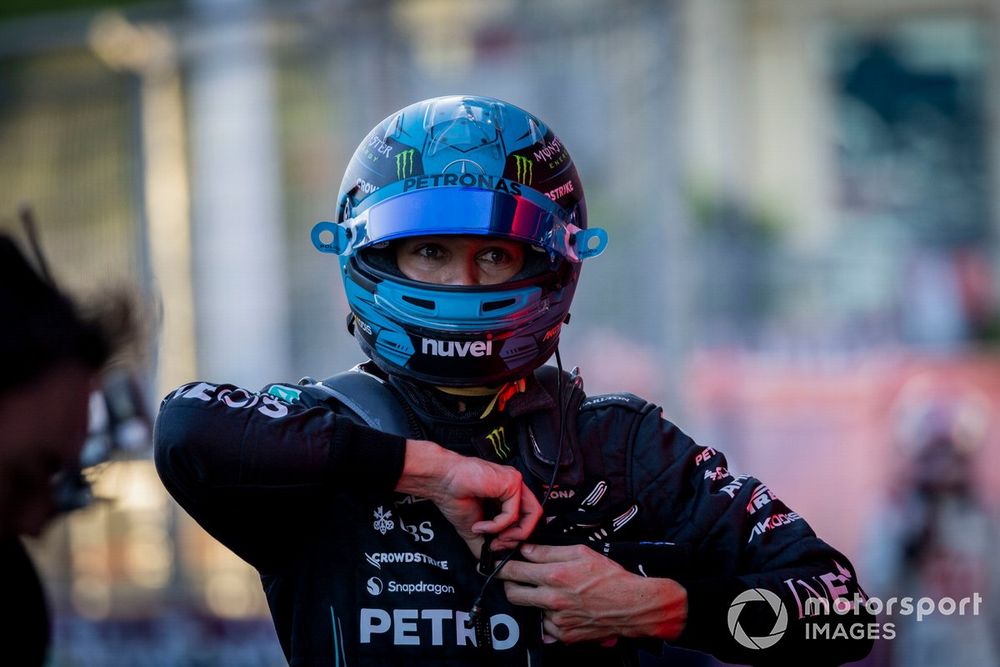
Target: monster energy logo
{"x": 498, "y": 438}
{"x": 404, "y": 163}
{"x": 524, "y": 168}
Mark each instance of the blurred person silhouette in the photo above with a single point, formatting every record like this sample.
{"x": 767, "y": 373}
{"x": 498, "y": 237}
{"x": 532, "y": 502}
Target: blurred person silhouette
{"x": 935, "y": 536}
{"x": 51, "y": 357}
{"x": 460, "y": 234}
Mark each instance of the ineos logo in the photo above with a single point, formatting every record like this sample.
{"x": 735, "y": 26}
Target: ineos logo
{"x": 375, "y": 586}
{"x": 780, "y": 620}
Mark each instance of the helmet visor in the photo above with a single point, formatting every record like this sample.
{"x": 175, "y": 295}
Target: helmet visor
{"x": 527, "y": 217}
{"x": 457, "y": 211}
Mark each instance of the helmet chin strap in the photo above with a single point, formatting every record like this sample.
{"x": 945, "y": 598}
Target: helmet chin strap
{"x": 467, "y": 391}
{"x": 500, "y": 394}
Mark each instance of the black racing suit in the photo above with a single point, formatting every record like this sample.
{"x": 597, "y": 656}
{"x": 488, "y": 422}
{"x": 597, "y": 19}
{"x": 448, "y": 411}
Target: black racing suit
{"x": 356, "y": 574}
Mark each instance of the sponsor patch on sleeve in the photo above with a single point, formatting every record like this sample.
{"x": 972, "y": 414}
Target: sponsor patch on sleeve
{"x": 621, "y": 399}
{"x": 287, "y": 394}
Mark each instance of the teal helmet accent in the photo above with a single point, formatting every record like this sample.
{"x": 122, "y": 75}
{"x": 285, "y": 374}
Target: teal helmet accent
{"x": 460, "y": 165}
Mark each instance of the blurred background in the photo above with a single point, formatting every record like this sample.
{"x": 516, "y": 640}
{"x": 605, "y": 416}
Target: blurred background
{"x": 803, "y": 198}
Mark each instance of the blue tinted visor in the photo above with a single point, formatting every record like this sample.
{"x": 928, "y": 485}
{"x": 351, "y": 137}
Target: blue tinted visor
{"x": 457, "y": 211}
{"x": 462, "y": 211}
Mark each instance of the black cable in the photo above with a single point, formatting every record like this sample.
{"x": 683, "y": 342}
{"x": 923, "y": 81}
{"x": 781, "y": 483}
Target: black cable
{"x": 563, "y": 407}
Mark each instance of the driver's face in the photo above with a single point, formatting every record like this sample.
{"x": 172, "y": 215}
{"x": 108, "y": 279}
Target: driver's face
{"x": 459, "y": 260}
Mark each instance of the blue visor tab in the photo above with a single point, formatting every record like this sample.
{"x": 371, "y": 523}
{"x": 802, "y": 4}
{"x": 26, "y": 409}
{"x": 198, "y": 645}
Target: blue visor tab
{"x": 453, "y": 211}
{"x": 587, "y": 243}
{"x": 335, "y": 240}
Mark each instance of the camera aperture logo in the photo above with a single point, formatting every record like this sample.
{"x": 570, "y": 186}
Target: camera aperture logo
{"x": 780, "y": 618}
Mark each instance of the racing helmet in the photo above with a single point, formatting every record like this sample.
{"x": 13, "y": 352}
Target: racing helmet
{"x": 460, "y": 165}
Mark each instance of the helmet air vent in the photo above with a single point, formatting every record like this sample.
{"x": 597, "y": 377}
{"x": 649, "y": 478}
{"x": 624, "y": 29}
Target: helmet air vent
{"x": 490, "y": 306}
{"x": 420, "y": 303}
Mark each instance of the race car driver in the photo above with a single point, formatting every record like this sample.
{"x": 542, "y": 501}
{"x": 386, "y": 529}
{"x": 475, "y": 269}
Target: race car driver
{"x": 453, "y": 501}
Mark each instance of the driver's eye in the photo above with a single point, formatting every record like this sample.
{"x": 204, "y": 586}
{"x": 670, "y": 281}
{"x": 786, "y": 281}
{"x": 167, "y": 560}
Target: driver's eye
{"x": 495, "y": 256}
{"x": 430, "y": 251}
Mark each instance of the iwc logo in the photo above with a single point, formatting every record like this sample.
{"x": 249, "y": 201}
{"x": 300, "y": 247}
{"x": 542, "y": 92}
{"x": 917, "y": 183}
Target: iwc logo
{"x": 757, "y": 595}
